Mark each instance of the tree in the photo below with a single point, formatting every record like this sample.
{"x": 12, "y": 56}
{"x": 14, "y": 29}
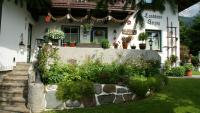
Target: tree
{"x": 194, "y": 35}
{"x": 184, "y": 38}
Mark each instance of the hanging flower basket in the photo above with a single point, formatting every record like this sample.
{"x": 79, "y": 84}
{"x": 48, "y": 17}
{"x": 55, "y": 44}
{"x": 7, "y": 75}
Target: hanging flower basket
{"x": 56, "y": 34}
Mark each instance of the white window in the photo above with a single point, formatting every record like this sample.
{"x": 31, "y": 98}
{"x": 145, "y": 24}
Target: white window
{"x": 155, "y": 37}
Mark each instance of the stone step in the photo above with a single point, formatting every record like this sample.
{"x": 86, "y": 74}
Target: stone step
{"x": 15, "y": 109}
{"x": 12, "y": 85}
{"x": 16, "y": 90}
{"x": 16, "y": 79}
{"x": 3, "y": 111}
{"x": 10, "y": 103}
{"x": 13, "y": 93}
{"x": 21, "y": 68}
{"x": 19, "y": 73}
{"x": 13, "y": 99}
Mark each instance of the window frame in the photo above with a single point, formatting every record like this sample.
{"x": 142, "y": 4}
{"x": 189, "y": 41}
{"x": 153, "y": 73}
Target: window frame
{"x": 160, "y": 39}
{"x": 70, "y": 27}
{"x": 98, "y": 28}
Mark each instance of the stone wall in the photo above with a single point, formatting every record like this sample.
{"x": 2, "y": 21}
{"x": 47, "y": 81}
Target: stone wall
{"x": 79, "y": 55}
{"x": 104, "y": 94}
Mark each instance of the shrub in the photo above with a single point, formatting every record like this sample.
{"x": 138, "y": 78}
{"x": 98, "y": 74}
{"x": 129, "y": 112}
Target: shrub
{"x": 139, "y": 85}
{"x": 142, "y": 37}
{"x": 75, "y": 90}
{"x": 105, "y": 43}
{"x": 188, "y": 67}
{"x": 157, "y": 82}
{"x": 195, "y": 61}
{"x": 176, "y": 71}
{"x": 173, "y": 59}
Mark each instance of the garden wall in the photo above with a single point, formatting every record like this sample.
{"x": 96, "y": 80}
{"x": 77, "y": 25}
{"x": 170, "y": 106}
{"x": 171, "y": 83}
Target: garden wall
{"x": 78, "y": 55}
{"x": 104, "y": 94}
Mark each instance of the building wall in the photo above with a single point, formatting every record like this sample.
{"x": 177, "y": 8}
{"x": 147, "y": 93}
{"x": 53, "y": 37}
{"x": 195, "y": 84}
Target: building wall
{"x": 39, "y": 29}
{"x": 15, "y": 21}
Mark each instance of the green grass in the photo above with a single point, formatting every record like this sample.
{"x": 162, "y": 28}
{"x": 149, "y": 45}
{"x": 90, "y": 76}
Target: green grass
{"x": 195, "y": 73}
{"x": 180, "y": 96}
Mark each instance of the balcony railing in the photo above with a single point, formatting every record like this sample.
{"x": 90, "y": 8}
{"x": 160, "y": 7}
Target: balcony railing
{"x": 88, "y": 4}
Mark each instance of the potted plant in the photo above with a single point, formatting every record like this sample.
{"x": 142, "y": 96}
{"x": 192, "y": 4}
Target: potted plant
{"x": 72, "y": 43}
{"x": 86, "y": 28}
{"x": 142, "y": 37}
{"x": 188, "y": 69}
{"x": 105, "y": 43}
{"x": 54, "y": 35}
{"x": 173, "y": 59}
{"x": 133, "y": 46}
{"x": 115, "y": 44}
{"x": 125, "y": 41}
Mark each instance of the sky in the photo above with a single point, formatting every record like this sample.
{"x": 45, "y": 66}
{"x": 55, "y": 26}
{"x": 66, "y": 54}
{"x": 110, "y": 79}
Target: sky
{"x": 191, "y": 11}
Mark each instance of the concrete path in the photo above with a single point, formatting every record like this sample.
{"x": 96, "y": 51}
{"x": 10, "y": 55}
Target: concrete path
{"x": 193, "y": 76}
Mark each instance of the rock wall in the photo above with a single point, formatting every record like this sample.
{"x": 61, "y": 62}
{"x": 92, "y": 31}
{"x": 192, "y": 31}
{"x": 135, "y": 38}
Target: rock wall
{"x": 79, "y": 55}
{"x": 104, "y": 94}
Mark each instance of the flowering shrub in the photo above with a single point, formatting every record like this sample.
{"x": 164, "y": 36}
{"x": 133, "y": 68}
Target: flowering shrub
{"x": 56, "y": 34}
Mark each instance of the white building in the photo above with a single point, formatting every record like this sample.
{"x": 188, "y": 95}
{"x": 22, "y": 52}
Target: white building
{"x": 18, "y": 26}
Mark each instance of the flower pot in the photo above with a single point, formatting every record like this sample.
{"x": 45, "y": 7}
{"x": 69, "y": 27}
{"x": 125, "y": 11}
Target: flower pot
{"x": 133, "y": 47}
{"x": 188, "y": 73}
{"x": 124, "y": 45}
{"x": 72, "y": 44}
{"x": 142, "y": 46}
{"x": 64, "y": 44}
{"x": 115, "y": 46}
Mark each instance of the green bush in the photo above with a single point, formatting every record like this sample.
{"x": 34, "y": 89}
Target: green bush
{"x": 75, "y": 90}
{"x": 195, "y": 61}
{"x": 188, "y": 67}
{"x": 176, "y": 71}
{"x": 139, "y": 85}
{"x": 157, "y": 82}
{"x": 105, "y": 43}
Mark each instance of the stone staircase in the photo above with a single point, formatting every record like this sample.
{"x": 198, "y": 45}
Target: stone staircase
{"x": 14, "y": 90}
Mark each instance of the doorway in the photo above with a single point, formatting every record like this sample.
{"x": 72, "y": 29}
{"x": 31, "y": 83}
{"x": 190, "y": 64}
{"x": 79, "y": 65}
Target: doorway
{"x": 98, "y": 33}
{"x": 29, "y": 43}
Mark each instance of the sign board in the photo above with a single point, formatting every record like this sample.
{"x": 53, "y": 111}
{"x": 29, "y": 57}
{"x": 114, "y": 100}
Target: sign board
{"x": 129, "y": 32}
{"x": 153, "y": 19}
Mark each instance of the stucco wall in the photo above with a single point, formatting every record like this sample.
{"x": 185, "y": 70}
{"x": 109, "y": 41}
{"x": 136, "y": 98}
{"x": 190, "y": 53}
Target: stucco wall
{"x": 15, "y": 21}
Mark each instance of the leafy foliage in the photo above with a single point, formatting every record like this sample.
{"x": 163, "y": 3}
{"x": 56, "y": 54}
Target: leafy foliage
{"x": 74, "y": 90}
{"x": 141, "y": 85}
{"x": 176, "y": 71}
{"x": 46, "y": 57}
{"x": 105, "y": 43}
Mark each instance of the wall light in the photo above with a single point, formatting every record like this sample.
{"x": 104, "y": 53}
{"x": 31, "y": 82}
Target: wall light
{"x": 21, "y": 43}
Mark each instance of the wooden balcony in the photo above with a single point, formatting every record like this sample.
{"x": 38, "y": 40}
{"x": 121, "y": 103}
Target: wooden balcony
{"x": 88, "y": 4}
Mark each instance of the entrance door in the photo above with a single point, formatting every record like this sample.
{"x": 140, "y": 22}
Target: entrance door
{"x": 98, "y": 33}
{"x": 29, "y": 43}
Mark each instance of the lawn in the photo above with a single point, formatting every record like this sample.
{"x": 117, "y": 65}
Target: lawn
{"x": 195, "y": 73}
{"x": 180, "y": 96}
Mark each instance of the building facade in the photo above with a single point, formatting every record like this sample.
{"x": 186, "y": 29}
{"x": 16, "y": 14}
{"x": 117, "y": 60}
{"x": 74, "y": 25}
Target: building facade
{"x": 86, "y": 26}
